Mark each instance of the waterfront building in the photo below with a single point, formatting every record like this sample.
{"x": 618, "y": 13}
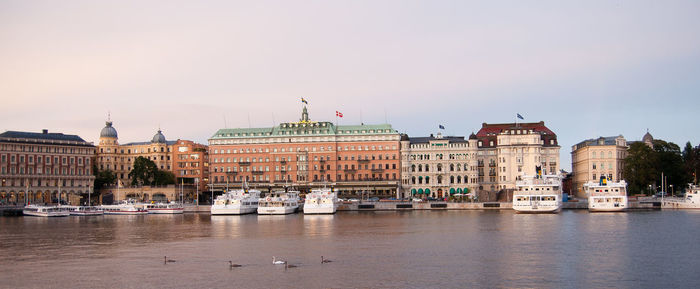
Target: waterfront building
{"x": 191, "y": 164}
{"x": 185, "y": 159}
{"x": 307, "y": 154}
{"x": 438, "y": 166}
{"x": 592, "y": 158}
{"x": 507, "y": 151}
{"x": 43, "y": 167}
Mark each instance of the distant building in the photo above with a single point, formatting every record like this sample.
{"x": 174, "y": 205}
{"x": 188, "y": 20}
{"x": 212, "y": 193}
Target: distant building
{"x": 185, "y": 159}
{"x": 593, "y": 158}
{"x": 307, "y": 154}
{"x": 438, "y": 166}
{"x": 508, "y": 150}
{"x": 37, "y": 167}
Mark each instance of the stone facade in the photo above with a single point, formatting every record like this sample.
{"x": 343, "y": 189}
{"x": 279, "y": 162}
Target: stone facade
{"x": 593, "y": 158}
{"x": 146, "y": 193}
{"x": 37, "y": 167}
{"x": 307, "y": 154}
{"x": 438, "y": 166}
{"x": 509, "y": 150}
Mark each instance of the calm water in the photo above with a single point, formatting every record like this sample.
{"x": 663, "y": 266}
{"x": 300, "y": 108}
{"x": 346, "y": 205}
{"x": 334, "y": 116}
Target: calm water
{"x": 448, "y": 249}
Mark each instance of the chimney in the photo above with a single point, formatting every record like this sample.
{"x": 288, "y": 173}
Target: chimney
{"x": 45, "y": 131}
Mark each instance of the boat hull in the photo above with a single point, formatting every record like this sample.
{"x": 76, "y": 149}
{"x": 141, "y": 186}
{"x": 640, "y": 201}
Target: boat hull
{"x": 679, "y": 204}
{"x": 330, "y": 209}
{"x": 276, "y": 210}
{"x": 87, "y": 213}
{"x": 46, "y": 214}
{"x": 166, "y": 211}
{"x": 125, "y": 213}
{"x": 233, "y": 210}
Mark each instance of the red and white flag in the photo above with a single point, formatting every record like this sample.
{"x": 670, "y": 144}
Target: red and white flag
{"x": 338, "y": 114}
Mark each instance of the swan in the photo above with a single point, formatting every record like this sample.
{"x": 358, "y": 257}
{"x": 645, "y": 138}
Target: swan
{"x": 278, "y": 262}
{"x": 231, "y": 265}
{"x": 166, "y": 260}
{"x": 325, "y": 260}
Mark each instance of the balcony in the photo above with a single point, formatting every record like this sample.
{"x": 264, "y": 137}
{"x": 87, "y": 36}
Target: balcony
{"x": 552, "y": 164}
{"x": 481, "y": 174}
{"x": 258, "y": 172}
{"x": 283, "y": 162}
{"x": 363, "y": 161}
{"x": 380, "y": 170}
{"x": 323, "y": 161}
{"x": 492, "y": 165}
{"x": 350, "y": 171}
{"x": 243, "y": 163}
{"x": 232, "y": 173}
{"x": 480, "y": 164}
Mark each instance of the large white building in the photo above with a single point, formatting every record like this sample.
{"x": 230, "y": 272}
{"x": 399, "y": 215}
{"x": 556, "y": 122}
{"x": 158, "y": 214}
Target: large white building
{"x": 437, "y": 166}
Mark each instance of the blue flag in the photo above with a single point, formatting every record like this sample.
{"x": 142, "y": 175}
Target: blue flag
{"x": 304, "y": 100}
{"x": 441, "y": 126}
{"x": 520, "y": 116}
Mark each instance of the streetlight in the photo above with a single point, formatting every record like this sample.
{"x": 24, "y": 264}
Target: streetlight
{"x": 671, "y": 190}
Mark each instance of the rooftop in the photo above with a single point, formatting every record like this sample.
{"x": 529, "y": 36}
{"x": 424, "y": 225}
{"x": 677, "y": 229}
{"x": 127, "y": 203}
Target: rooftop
{"x": 43, "y": 137}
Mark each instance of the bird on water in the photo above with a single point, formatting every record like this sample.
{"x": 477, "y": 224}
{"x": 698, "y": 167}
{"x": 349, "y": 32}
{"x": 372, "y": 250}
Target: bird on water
{"x": 231, "y": 265}
{"x": 278, "y": 262}
{"x": 166, "y": 260}
{"x": 323, "y": 261}
{"x": 287, "y": 266}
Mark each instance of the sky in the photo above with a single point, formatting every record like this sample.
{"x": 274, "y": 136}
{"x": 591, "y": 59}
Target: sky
{"x": 585, "y": 68}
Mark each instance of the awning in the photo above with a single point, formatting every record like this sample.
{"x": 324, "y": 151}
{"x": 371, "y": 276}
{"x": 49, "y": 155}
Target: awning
{"x": 452, "y": 191}
{"x": 413, "y": 191}
{"x": 420, "y": 191}
{"x": 459, "y": 190}
{"x": 466, "y": 190}
{"x": 427, "y": 191}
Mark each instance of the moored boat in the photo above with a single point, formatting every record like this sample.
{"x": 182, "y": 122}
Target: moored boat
{"x": 86, "y": 211}
{"x": 45, "y": 211}
{"x": 165, "y": 208}
{"x": 279, "y": 203}
{"x": 691, "y": 200}
{"x": 321, "y": 201}
{"x": 604, "y": 196}
{"x": 538, "y": 194}
{"x": 236, "y": 202}
{"x": 127, "y": 207}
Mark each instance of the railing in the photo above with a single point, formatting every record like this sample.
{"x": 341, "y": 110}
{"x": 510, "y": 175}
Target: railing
{"x": 352, "y": 171}
{"x": 244, "y": 163}
{"x": 283, "y": 162}
{"x": 258, "y": 172}
{"x": 377, "y": 170}
{"x": 363, "y": 160}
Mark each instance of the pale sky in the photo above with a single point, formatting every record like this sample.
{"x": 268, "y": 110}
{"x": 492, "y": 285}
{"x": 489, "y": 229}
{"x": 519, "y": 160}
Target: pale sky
{"x": 586, "y": 68}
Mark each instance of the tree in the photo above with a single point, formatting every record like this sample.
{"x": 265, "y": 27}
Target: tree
{"x": 691, "y": 158}
{"x": 670, "y": 163}
{"x": 164, "y": 178}
{"x": 640, "y": 168}
{"x": 144, "y": 172}
{"x": 103, "y": 178}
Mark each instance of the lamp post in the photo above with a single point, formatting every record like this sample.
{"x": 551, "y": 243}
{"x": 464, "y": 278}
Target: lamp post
{"x": 671, "y": 190}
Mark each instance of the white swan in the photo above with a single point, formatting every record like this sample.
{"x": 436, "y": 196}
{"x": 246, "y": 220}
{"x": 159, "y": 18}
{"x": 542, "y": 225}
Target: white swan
{"x": 277, "y": 262}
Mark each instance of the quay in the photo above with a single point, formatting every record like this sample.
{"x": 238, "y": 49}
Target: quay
{"x": 11, "y": 210}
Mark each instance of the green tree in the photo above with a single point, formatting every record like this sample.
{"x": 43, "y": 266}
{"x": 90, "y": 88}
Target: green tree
{"x": 103, "y": 178}
{"x": 164, "y": 178}
{"x": 144, "y": 172}
{"x": 640, "y": 168}
{"x": 671, "y": 164}
{"x": 691, "y": 158}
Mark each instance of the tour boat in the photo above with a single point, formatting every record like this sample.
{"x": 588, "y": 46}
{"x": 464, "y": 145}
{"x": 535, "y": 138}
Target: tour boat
{"x": 86, "y": 211}
{"x": 321, "y": 201}
{"x": 127, "y": 207}
{"x": 537, "y": 194}
{"x": 606, "y": 197}
{"x": 690, "y": 201}
{"x": 279, "y": 203}
{"x": 236, "y": 202}
{"x": 165, "y": 208}
{"x": 45, "y": 211}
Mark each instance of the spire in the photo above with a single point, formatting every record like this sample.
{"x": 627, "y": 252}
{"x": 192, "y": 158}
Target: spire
{"x": 305, "y": 115}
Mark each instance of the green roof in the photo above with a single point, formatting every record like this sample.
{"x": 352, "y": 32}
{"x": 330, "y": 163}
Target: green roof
{"x": 292, "y": 129}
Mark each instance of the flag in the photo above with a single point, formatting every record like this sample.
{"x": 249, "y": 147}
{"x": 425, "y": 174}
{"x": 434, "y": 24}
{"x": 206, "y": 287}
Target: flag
{"x": 441, "y": 126}
{"x": 338, "y": 114}
{"x": 304, "y": 101}
{"x": 520, "y": 116}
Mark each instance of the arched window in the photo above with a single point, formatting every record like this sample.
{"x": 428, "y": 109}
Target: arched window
{"x": 413, "y": 180}
{"x": 452, "y": 167}
{"x": 452, "y": 179}
{"x": 427, "y": 180}
{"x": 420, "y": 168}
{"x": 439, "y": 179}
{"x": 413, "y": 168}
{"x": 439, "y": 167}
{"x": 459, "y": 179}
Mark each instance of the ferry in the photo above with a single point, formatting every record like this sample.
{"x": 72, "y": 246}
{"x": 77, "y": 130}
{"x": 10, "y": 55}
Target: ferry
{"x": 127, "y": 207}
{"x": 606, "y": 197}
{"x": 86, "y": 211}
{"x": 165, "y": 208}
{"x": 690, "y": 201}
{"x": 45, "y": 211}
{"x": 279, "y": 203}
{"x": 538, "y": 194}
{"x": 321, "y": 201}
{"x": 236, "y": 202}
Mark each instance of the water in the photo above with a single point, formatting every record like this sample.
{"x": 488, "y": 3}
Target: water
{"x": 418, "y": 249}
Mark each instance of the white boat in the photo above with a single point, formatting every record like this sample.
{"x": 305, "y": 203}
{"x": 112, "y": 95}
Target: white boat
{"x": 321, "y": 201}
{"x": 690, "y": 201}
{"x": 86, "y": 211}
{"x": 45, "y": 211}
{"x": 165, "y": 208}
{"x": 236, "y": 202}
{"x": 279, "y": 203}
{"x": 127, "y": 207}
{"x": 538, "y": 194}
{"x": 606, "y": 197}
